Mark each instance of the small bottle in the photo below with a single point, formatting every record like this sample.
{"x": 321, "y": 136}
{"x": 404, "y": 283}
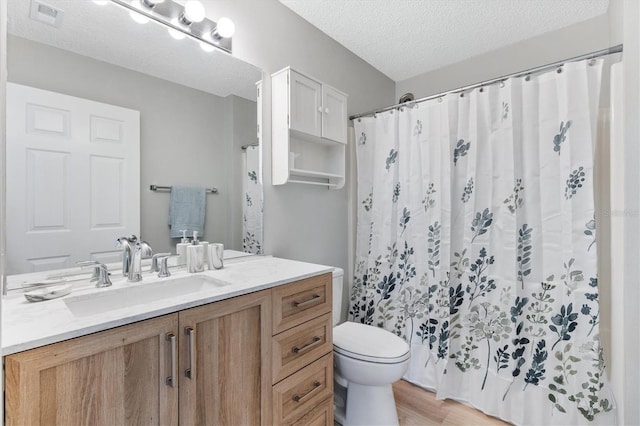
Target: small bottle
{"x": 195, "y": 255}
{"x": 216, "y": 256}
{"x": 181, "y": 248}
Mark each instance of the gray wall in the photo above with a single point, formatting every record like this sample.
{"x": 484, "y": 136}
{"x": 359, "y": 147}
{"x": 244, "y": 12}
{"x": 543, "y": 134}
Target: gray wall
{"x": 568, "y": 42}
{"x": 187, "y": 136}
{"x": 302, "y": 222}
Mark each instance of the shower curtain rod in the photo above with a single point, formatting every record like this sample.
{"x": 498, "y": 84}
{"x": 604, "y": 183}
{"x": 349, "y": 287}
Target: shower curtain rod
{"x": 598, "y": 53}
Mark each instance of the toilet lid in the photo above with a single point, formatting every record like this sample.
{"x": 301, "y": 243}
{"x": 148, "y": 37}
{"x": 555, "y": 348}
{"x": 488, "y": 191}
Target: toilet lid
{"x": 369, "y": 343}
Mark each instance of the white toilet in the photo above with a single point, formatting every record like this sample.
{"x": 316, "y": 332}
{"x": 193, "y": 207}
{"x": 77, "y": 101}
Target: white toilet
{"x": 367, "y": 360}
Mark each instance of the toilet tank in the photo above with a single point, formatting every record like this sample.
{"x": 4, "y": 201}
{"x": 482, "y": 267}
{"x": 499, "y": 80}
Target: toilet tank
{"x": 338, "y": 275}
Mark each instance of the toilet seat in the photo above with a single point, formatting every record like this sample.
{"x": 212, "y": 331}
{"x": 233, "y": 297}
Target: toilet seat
{"x": 369, "y": 343}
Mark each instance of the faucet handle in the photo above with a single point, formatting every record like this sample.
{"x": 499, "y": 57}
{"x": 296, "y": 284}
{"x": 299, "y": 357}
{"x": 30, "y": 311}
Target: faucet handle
{"x": 85, "y": 263}
{"x": 100, "y": 272}
{"x": 154, "y": 261}
{"x": 164, "y": 267}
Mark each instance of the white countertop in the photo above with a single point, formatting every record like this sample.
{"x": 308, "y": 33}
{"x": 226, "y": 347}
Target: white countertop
{"x": 29, "y": 325}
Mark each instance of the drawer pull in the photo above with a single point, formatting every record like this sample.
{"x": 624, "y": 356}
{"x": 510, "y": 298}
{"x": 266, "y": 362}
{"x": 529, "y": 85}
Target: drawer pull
{"x": 171, "y": 380}
{"x": 191, "y": 371}
{"x": 301, "y": 398}
{"x": 297, "y": 350}
{"x": 315, "y": 299}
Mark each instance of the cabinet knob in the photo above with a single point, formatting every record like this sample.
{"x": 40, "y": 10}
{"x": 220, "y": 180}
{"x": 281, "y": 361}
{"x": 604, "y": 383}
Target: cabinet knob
{"x": 319, "y": 109}
{"x": 326, "y": 110}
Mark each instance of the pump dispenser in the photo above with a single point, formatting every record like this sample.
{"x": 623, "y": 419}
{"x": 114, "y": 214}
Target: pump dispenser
{"x": 195, "y": 255}
{"x": 181, "y": 248}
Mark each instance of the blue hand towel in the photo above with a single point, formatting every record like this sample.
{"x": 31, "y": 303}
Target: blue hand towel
{"x": 186, "y": 210}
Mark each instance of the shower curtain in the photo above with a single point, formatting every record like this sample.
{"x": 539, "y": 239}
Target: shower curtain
{"x": 252, "y": 202}
{"x": 476, "y": 244}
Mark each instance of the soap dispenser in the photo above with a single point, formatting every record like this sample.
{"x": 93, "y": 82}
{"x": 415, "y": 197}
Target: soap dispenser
{"x": 195, "y": 255}
{"x": 181, "y": 248}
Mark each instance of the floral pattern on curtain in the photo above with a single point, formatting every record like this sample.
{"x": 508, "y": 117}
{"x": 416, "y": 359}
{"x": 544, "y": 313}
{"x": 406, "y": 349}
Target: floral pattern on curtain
{"x": 252, "y": 203}
{"x": 476, "y": 244}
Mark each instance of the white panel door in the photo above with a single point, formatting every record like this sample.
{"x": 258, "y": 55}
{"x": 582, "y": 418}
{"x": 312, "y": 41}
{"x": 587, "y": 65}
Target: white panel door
{"x": 305, "y": 109}
{"x": 73, "y": 179}
{"x": 334, "y": 114}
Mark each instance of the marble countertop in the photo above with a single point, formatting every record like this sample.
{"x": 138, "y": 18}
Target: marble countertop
{"x": 29, "y": 325}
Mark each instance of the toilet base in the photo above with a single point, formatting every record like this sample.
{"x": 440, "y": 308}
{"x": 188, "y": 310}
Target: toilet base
{"x": 369, "y": 406}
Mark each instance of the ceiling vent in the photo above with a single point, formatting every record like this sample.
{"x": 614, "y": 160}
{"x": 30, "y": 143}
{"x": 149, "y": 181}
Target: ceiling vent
{"x": 46, "y": 14}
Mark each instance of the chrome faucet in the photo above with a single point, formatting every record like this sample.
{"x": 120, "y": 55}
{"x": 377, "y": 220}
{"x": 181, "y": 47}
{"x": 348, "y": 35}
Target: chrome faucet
{"x": 133, "y": 253}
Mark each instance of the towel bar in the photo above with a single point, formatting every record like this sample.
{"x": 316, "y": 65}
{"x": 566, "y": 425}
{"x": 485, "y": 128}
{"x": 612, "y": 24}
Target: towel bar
{"x": 213, "y": 190}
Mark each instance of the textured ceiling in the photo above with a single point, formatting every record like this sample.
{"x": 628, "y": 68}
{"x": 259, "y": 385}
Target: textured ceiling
{"x": 108, "y": 34}
{"x": 404, "y": 38}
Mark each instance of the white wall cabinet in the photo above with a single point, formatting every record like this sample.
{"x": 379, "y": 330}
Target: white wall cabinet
{"x": 309, "y": 125}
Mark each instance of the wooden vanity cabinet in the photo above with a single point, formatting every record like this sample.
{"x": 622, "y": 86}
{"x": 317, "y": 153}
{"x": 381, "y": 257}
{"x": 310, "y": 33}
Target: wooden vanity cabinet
{"x": 115, "y": 377}
{"x": 209, "y": 365}
{"x": 225, "y": 374}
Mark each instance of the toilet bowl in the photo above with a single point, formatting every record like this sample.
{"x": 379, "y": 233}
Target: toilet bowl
{"x": 367, "y": 360}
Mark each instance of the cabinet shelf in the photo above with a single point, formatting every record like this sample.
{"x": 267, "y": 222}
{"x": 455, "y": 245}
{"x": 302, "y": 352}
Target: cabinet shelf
{"x": 315, "y": 174}
{"x": 315, "y": 139}
{"x": 309, "y": 131}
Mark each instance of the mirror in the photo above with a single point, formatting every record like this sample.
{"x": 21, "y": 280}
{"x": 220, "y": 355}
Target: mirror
{"x": 196, "y": 110}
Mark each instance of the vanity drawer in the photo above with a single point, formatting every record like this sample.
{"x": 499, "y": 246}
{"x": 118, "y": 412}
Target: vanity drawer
{"x": 301, "y": 301}
{"x": 299, "y": 393}
{"x": 322, "y": 415}
{"x": 301, "y": 345}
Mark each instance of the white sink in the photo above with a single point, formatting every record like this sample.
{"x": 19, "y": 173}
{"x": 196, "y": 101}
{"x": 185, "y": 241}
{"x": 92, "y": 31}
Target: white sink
{"x": 139, "y": 294}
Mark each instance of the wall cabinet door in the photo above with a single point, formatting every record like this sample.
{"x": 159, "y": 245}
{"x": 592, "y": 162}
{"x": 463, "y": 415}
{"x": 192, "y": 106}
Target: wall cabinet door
{"x": 305, "y": 104}
{"x": 225, "y": 374}
{"x": 334, "y": 114}
{"x": 116, "y": 377}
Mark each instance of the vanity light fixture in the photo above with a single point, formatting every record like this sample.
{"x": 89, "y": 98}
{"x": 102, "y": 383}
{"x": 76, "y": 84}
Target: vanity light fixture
{"x": 188, "y": 21}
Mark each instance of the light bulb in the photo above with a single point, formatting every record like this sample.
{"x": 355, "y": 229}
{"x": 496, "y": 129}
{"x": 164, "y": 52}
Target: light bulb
{"x": 206, "y": 47}
{"x": 101, "y": 2}
{"x": 194, "y": 11}
{"x": 139, "y": 18}
{"x": 176, "y": 34}
{"x": 225, "y": 27}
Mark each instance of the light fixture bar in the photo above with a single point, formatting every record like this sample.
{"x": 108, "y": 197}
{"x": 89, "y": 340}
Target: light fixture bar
{"x": 168, "y": 12}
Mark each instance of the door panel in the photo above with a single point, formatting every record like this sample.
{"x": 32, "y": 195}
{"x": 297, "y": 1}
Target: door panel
{"x": 306, "y": 98}
{"x": 231, "y": 384}
{"x": 334, "y": 115}
{"x": 73, "y": 173}
{"x": 112, "y": 377}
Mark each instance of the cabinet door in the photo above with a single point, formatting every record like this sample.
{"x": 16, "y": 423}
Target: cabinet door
{"x": 305, "y": 108}
{"x": 225, "y": 374}
{"x": 115, "y": 377}
{"x": 334, "y": 114}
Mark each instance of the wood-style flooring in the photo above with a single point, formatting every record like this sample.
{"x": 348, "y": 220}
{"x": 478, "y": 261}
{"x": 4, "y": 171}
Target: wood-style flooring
{"x": 419, "y": 407}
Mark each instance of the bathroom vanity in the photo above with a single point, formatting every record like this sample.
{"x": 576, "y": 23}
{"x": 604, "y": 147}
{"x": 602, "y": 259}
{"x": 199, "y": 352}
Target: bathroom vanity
{"x": 249, "y": 344}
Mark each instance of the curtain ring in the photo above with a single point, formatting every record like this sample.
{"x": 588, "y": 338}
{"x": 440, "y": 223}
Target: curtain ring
{"x": 481, "y": 89}
{"x": 359, "y": 120}
{"x": 527, "y": 78}
{"x": 391, "y": 112}
{"x": 401, "y": 109}
{"x": 559, "y": 70}
{"x": 440, "y": 100}
{"x": 502, "y": 84}
{"x": 375, "y": 115}
{"x": 462, "y": 95}
{"x": 592, "y": 61}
